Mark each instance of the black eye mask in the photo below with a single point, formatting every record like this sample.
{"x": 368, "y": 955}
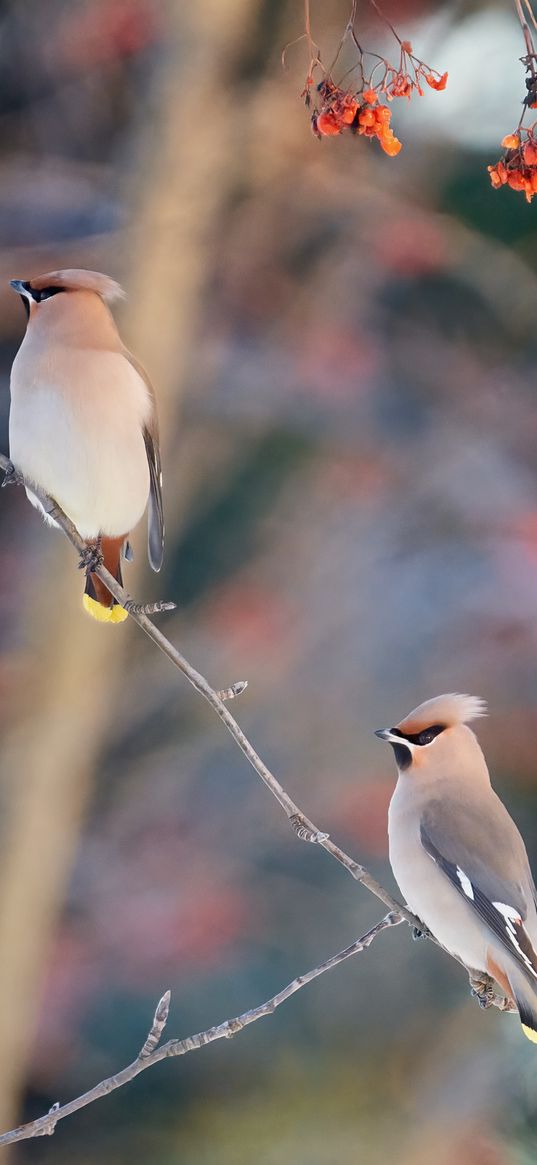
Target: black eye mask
{"x": 38, "y": 296}
{"x": 44, "y": 293}
{"x": 403, "y": 756}
{"x": 424, "y": 737}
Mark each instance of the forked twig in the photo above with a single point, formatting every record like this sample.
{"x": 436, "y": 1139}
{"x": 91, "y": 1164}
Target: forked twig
{"x": 304, "y": 828}
{"x": 151, "y": 1053}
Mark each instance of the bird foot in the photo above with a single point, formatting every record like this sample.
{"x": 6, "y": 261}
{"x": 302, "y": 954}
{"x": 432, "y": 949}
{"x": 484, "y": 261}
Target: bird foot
{"x": 91, "y": 557}
{"x": 304, "y": 831}
{"x": 148, "y": 608}
{"x": 483, "y": 990}
{"x": 12, "y": 475}
{"x": 417, "y": 934}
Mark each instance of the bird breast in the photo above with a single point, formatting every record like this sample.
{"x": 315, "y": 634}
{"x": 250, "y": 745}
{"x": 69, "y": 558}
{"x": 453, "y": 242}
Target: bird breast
{"x": 76, "y": 430}
{"x": 427, "y": 891}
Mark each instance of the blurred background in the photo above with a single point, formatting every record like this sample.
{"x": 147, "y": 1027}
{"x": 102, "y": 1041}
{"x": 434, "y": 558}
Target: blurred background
{"x": 343, "y": 347}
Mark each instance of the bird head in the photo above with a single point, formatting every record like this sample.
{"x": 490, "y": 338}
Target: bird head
{"x": 41, "y": 288}
{"x": 433, "y": 733}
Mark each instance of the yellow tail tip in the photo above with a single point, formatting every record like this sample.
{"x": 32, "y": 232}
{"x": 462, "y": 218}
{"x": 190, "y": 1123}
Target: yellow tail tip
{"x": 115, "y": 614}
{"x": 529, "y": 1033}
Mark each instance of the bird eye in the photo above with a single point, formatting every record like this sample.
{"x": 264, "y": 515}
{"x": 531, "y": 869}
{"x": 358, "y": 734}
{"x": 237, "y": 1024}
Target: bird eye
{"x": 48, "y": 291}
{"x": 429, "y": 734}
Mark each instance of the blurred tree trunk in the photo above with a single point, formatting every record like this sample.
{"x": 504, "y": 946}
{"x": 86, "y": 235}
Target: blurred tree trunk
{"x": 61, "y": 716}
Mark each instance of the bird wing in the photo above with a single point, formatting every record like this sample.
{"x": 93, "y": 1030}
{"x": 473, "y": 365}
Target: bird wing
{"x": 155, "y": 520}
{"x": 485, "y": 860}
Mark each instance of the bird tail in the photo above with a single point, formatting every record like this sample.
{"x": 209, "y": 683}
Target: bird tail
{"x": 97, "y": 600}
{"x": 525, "y": 996}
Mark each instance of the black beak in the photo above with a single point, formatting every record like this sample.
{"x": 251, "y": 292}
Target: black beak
{"x": 402, "y": 751}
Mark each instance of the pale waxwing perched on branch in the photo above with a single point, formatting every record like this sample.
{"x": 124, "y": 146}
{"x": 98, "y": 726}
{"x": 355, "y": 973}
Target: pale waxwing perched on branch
{"x": 83, "y": 422}
{"x": 457, "y": 855}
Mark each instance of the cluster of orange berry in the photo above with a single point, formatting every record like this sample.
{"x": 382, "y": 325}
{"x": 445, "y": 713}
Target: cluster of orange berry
{"x": 518, "y": 167}
{"x": 410, "y": 75}
{"x": 362, "y": 112}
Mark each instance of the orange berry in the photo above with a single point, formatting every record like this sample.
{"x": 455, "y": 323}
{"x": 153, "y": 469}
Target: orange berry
{"x": 348, "y": 112}
{"x": 516, "y": 180}
{"x": 328, "y": 124}
{"x": 511, "y": 141}
{"x": 370, "y": 96}
{"x": 437, "y": 83}
{"x": 383, "y": 115}
{"x": 390, "y": 144}
{"x": 498, "y": 174}
{"x": 367, "y": 117}
{"x": 530, "y": 153}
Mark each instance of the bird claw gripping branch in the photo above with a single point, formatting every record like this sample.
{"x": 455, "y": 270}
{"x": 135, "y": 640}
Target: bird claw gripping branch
{"x": 11, "y": 475}
{"x": 91, "y": 557}
{"x": 483, "y": 991}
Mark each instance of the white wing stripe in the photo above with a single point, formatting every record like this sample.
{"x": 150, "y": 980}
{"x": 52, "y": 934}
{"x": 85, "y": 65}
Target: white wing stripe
{"x": 511, "y": 917}
{"x": 465, "y": 883}
{"x": 509, "y": 912}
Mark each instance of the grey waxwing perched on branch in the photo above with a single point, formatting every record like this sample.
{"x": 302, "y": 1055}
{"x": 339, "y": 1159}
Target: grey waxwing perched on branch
{"x": 457, "y": 855}
{"x": 83, "y": 422}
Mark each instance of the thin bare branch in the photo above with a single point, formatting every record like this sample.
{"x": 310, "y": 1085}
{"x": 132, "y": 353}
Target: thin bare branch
{"x": 304, "y": 828}
{"x": 46, "y": 1125}
{"x": 313, "y": 49}
{"x": 530, "y": 49}
{"x": 384, "y": 18}
{"x": 531, "y": 13}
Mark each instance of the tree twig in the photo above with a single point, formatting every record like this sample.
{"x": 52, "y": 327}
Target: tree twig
{"x": 305, "y": 829}
{"x": 151, "y": 1053}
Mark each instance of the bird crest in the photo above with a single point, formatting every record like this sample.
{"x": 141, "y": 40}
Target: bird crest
{"x": 76, "y": 280}
{"x": 447, "y": 710}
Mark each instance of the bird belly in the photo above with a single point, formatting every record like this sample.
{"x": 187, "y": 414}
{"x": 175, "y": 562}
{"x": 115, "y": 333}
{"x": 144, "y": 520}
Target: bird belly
{"x": 430, "y": 895}
{"x": 85, "y": 446}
